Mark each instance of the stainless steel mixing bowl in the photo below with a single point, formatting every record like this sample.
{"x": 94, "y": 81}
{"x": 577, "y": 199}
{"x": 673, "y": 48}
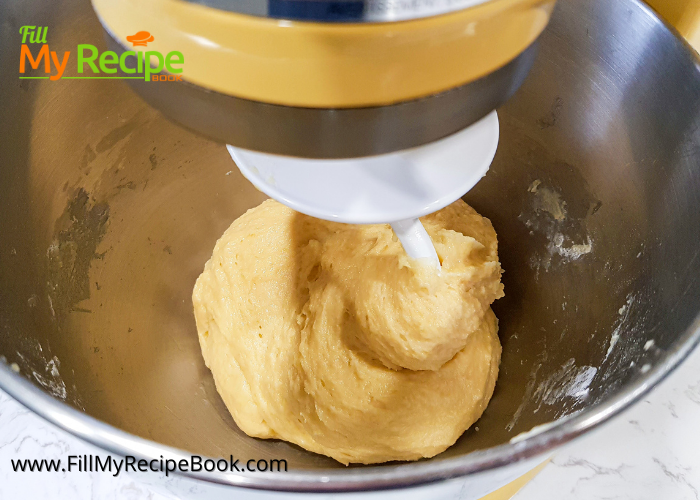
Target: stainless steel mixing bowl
{"x": 109, "y": 213}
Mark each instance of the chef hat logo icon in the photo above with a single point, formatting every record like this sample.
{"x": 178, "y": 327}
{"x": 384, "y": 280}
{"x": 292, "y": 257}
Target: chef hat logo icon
{"x": 140, "y": 39}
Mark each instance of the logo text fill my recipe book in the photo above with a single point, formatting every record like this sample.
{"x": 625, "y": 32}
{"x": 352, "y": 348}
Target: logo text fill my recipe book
{"x": 93, "y": 64}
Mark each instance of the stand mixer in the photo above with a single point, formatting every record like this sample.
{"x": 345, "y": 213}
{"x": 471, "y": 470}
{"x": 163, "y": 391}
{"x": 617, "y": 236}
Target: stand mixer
{"x": 353, "y": 111}
{"x": 607, "y": 118}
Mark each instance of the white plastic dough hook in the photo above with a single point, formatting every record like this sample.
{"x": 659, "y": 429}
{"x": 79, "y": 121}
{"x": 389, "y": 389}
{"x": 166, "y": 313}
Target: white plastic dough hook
{"x": 415, "y": 240}
{"x": 394, "y": 188}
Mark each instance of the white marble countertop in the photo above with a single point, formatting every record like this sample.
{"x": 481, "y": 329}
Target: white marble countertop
{"x": 652, "y": 451}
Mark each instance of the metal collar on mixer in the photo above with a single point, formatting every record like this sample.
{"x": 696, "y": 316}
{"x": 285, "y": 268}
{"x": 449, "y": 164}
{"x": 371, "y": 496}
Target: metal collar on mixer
{"x": 338, "y": 11}
{"x": 333, "y": 133}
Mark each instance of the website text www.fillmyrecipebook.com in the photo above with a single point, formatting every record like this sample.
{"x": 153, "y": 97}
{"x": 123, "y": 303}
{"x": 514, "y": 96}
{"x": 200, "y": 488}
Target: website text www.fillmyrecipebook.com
{"x": 99, "y": 463}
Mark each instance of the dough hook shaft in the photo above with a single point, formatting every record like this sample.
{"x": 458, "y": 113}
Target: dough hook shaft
{"x": 415, "y": 240}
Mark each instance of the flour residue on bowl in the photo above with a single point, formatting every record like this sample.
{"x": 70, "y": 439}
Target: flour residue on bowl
{"x": 566, "y": 388}
{"x": 570, "y": 381}
{"x": 621, "y": 323}
{"x": 573, "y": 252}
{"x": 547, "y": 200}
{"x": 51, "y": 380}
{"x": 45, "y": 371}
{"x": 548, "y": 215}
{"x": 632, "y": 317}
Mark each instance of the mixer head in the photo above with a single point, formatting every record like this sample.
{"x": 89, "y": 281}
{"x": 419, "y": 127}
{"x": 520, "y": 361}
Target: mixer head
{"x": 332, "y": 78}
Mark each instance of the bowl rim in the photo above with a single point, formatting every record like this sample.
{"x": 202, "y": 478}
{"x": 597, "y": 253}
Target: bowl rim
{"x": 366, "y": 478}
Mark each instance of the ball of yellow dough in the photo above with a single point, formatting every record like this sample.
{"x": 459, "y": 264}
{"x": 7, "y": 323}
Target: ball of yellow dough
{"x": 328, "y": 336}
